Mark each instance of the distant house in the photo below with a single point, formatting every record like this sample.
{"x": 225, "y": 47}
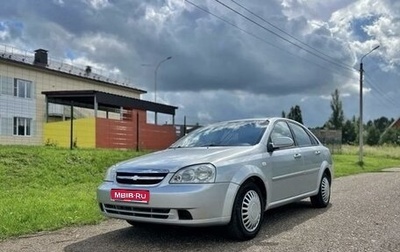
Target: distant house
{"x": 40, "y": 96}
{"x": 395, "y": 124}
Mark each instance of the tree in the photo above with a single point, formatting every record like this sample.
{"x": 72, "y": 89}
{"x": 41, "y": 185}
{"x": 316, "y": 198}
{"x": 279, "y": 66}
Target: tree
{"x": 391, "y": 136}
{"x": 373, "y": 136}
{"x": 295, "y": 114}
{"x": 382, "y": 123}
{"x": 376, "y": 128}
{"x": 283, "y": 114}
{"x": 349, "y": 133}
{"x": 337, "y": 118}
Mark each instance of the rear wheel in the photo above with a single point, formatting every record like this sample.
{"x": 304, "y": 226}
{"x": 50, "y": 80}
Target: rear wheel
{"x": 247, "y": 213}
{"x": 324, "y": 194}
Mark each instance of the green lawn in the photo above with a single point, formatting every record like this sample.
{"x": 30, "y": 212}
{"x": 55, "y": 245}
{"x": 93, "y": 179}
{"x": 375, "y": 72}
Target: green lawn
{"x": 46, "y": 188}
{"x": 375, "y": 159}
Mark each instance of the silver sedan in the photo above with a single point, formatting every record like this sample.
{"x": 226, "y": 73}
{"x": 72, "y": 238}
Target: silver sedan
{"x": 226, "y": 173}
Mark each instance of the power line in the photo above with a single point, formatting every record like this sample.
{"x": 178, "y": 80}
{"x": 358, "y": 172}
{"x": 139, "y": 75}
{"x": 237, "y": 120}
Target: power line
{"x": 383, "y": 96}
{"x": 261, "y": 39}
{"x": 237, "y": 27}
{"x": 283, "y": 38}
{"x": 283, "y": 31}
{"x": 347, "y": 67}
{"x": 265, "y": 41}
{"x": 372, "y": 82}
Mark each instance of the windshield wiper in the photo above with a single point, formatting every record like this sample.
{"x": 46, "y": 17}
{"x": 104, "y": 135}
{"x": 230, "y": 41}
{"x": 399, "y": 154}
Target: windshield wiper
{"x": 176, "y": 147}
{"x": 213, "y": 145}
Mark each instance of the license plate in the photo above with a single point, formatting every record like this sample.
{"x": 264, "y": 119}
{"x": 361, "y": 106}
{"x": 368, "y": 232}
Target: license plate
{"x": 140, "y": 196}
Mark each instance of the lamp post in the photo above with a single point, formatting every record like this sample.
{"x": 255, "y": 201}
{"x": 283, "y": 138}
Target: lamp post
{"x": 155, "y": 83}
{"x": 155, "y": 76}
{"x": 361, "y": 139}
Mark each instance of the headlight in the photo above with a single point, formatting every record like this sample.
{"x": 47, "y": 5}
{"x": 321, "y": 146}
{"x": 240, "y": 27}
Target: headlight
{"x": 203, "y": 173}
{"x": 110, "y": 174}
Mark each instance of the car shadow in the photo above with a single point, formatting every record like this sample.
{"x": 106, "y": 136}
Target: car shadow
{"x": 173, "y": 238}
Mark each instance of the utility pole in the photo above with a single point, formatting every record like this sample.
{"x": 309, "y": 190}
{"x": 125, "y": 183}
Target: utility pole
{"x": 361, "y": 127}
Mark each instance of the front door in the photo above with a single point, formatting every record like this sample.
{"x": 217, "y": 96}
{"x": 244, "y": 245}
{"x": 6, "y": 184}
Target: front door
{"x": 285, "y": 165}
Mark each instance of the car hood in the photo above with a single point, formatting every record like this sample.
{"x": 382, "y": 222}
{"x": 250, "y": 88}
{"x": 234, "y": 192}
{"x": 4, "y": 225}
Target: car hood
{"x": 176, "y": 158}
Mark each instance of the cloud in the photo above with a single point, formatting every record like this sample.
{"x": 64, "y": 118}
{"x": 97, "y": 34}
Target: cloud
{"x": 98, "y": 4}
{"x": 378, "y": 20}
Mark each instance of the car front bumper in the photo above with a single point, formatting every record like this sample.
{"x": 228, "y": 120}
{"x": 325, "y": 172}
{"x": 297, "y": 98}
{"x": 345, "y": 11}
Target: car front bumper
{"x": 175, "y": 204}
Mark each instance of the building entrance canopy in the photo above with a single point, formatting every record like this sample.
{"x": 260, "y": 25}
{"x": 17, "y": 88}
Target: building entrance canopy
{"x": 93, "y": 99}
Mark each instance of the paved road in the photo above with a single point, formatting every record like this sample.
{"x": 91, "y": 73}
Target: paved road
{"x": 364, "y": 215}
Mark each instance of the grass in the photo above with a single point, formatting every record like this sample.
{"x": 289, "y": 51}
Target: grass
{"x": 46, "y": 188}
{"x": 375, "y": 159}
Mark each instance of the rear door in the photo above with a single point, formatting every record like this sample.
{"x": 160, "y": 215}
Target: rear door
{"x": 311, "y": 155}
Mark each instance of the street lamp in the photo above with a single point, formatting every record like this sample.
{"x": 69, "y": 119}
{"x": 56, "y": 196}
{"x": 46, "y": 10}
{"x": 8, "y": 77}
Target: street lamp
{"x": 361, "y": 107}
{"x": 155, "y": 84}
{"x": 155, "y": 76}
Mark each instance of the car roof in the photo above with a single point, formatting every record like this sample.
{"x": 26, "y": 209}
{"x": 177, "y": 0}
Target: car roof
{"x": 271, "y": 119}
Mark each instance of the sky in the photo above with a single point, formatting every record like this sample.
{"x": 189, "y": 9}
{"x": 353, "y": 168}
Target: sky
{"x": 230, "y": 59}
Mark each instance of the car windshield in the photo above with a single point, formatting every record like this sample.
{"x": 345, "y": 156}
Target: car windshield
{"x": 238, "y": 133}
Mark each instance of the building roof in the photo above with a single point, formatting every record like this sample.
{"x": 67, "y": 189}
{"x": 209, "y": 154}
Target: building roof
{"x": 395, "y": 124}
{"x": 105, "y": 101}
{"x": 27, "y": 59}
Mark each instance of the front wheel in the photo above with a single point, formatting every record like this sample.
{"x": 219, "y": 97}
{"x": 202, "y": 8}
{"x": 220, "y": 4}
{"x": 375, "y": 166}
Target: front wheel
{"x": 247, "y": 213}
{"x": 324, "y": 194}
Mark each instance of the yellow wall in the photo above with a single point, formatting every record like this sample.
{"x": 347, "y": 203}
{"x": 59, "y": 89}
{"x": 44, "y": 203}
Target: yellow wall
{"x": 59, "y": 133}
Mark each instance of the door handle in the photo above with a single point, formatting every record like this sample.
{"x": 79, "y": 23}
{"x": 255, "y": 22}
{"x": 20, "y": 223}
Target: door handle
{"x": 297, "y": 155}
{"x": 317, "y": 152}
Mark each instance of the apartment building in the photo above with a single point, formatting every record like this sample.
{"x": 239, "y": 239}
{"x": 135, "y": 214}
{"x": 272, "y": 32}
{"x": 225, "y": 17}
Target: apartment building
{"x": 40, "y": 96}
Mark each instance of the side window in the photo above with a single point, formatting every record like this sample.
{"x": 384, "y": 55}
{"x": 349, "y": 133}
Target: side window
{"x": 300, "y": 135}
{"x": 281, "y": 129}
{"x": 314, "y": 140}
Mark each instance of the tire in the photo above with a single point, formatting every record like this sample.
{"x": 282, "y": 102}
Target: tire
{"x": 324, "y": 193}
{"x": 247, "y": 213}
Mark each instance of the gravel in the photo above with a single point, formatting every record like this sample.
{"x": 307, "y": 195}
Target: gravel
{"x": 364, "y": 215}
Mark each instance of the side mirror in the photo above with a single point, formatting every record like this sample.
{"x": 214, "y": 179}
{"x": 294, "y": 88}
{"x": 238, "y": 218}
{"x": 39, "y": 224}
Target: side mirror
{"x": 279, "y": 143}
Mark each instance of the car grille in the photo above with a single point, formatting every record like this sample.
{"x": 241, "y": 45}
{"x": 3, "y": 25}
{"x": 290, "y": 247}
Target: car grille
{"x": 156, "y": 213}
{"x": 141, "y": 178}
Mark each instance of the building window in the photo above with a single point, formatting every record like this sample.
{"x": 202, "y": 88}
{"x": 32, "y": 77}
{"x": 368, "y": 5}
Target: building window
{"x": 22, "y": 88}
{"x": 22, "y": 126}
{"x": 7, "y": 85}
